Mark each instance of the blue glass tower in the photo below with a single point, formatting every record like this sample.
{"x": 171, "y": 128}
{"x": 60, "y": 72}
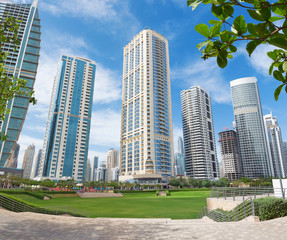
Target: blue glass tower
{"x": 22, "y": 63}
{"x": 65, "y": 148}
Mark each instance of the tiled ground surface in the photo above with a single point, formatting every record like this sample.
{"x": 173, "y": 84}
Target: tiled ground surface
{"x": 17, "y": 226}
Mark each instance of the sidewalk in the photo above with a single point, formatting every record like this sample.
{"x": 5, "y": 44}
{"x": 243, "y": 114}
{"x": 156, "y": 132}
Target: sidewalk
{"x": 38, "y": 226}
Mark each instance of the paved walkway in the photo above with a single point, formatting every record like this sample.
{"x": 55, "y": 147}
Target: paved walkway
{"x": 26, "y": 226}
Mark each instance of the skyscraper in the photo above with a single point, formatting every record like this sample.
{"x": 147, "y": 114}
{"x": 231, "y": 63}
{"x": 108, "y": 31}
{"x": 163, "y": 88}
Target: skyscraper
{"x": 198, "y": 134}
{"x": 146, "y": 130}
{"x": 112, "y": 162}
{"x": 21, "y": 63}
{"x": 66, "y": 142}
{"x": 278, "y": 164}
{"x": 13, "y": 159}
{"x": 250, "y": 128}
{"x": 28, "y": 161}
{"x": 230, "y": 156}
{"x": 94, "y": 166}
{"x": 37, "y": 163}
{"x": 179, "y": 168}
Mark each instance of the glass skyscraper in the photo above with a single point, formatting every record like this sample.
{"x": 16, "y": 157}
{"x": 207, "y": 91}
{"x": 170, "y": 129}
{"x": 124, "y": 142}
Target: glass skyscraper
{"x": 250, "y": 128}
{"x": 146, "y": 128}
{"x": 66, "y": 142}
{"x": 28, "y": 161}
{"x": 179, "y": 167}
{"x": 198, "y": 134}
{"x": 21, "y": 63}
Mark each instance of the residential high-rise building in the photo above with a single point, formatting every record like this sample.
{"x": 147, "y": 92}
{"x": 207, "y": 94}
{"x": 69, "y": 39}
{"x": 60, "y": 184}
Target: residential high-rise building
{"x": 13, "y": 159}
{"x": 88, "y": 170}
{"x": 250, "y": 128}
{"x": 21, "y": 63}
{"x": 278, "y": 164}
{"x": 112, "y": 162}
{"x": 198, "y": 134}
{"x": 146, "y": 130}
{"x": 101, "y": 172}
{"x": 66, "y": 142}
{"x": 230, "y": 156}
{"x": 179, "y": 167}
{"x": 37, "y": 163}
{"x": 94, "y": 167}
{"x": 28, "y": 161}
{"x": 285, "y": 152}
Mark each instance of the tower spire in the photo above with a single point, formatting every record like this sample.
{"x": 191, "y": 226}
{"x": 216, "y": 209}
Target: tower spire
{"x": 35, "y": 3}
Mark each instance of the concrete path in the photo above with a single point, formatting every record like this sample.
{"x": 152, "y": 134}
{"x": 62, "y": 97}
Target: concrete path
{"x": 98, "y": 195}
{"x": 18, "y": 226}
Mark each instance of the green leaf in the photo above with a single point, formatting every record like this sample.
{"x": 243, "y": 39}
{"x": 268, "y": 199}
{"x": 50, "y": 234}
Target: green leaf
{"x": 275, "y": 18}
{"x": 225, "y": 36}
{"x": 271, "y": 68}
{"x": 280, "y": 10}
{"x": 251, "y": 29}
{"x": 240, "y": 25}
{"x": 285, "y": 29}
{"x": 251, "y": 46}
{"x": 265, "y": 13}
{"x": 215, "y": 30}
{"x": 272, "y": 55}
{"x": 278, "y": 91}
{"x": 229, "y": 56}
{"x": 260, "y": 29}
{"x": 284, "y": 66}
{"x": 278, "y": 42}
{"x": 202, "y": 44}
{"x": 232, "y": 48}
{"x": 213, "y": 22}
{"x": 221, "y": 62}
{"x": 278, "y": 75}
{"x": 202, "y": 29}
{"x": 255, "y": 15}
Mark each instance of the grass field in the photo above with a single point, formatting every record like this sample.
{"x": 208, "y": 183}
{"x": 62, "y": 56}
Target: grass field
{"x": 180, "y": 205}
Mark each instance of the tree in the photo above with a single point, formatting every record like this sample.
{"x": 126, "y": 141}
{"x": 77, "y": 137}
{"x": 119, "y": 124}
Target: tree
{"x": 268, "y": 25}
{"x": 10, "y": 86}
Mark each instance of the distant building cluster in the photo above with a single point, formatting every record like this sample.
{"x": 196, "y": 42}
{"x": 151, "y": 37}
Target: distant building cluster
{"x": 253, "y": 149}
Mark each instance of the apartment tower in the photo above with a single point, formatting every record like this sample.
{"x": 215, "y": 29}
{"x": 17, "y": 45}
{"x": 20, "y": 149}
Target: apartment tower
{"x": 22, "y": 63}
{"x": 28, "y": 161}
{"x": 146, "y": 127}
{"x": 198, "y": 134}
{"x": 112, "y": 162}
{"x": 230, "y": 154}
{"x": 278, "y": 163}
{"x": 250, "y": 128}
{"x": 66, "y": 142}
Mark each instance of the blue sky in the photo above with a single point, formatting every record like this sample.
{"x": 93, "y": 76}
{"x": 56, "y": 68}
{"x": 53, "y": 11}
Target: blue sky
{"x": 99, "y": 29}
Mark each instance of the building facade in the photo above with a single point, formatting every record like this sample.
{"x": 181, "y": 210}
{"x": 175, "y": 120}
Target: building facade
{"x": 37, "y": 163}
{"x": 198, "y": 134}
{"x": 230, "y": 157}
{"x": 22, "y": 63}
{"x": 179, "y": 167}
{"x": 94, "y": 166}
{"x": 278, "y": 163}
{"x": 101, "y": 172}
{"x": 250, "y": 128}
{"x": 28, "y": 161}
{"x": 112, "y": 162}
{"x": 13, "y": 159}
{"x": 66, "y": 142}
{"x": 146, "y": 153}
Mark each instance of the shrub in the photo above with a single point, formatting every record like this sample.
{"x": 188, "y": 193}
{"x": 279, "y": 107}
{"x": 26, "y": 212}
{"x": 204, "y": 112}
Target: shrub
{"x": 167, "y": 192}
{"x": 270, "y": 208}
{"x": 156, "y": 193}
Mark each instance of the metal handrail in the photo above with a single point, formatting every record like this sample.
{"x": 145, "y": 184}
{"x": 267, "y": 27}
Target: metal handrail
{"x": 244, "y": 192}
{"x": 16, "y": 206}
{"x": 242, "y": 211}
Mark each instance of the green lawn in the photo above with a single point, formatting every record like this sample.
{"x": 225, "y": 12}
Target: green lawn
{"x": 180, "y": 205}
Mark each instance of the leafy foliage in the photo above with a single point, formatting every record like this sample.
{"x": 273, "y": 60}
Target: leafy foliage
{"x": 270, "y": 208}
{"x": 10, "y": 86}
{"x": 268, "y": 25}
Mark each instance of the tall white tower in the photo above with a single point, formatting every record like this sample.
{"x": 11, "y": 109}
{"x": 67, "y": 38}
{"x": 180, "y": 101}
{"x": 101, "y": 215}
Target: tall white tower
{"x": 146, "y": 130}
{"x": 275, "y": 146}
{"x": 198, "y": 134}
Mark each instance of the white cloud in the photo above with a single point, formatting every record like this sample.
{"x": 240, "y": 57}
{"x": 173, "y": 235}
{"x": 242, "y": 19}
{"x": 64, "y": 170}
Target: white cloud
{"x": 107, "y": 85}
{"x": 102, "y": 156}
{"x": 205, "y": 74}
{"x": 105, "y": 128}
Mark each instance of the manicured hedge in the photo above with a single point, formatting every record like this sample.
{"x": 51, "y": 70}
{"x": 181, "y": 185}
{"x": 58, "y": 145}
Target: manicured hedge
{"x": 189, "y": 189}
{"x": 137, "y": 191}
{"x": 39, "y": 195}
{"x": 270, "y": 207}
{"x": 167, "y": 192}
{"x": 59, "y": 192}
